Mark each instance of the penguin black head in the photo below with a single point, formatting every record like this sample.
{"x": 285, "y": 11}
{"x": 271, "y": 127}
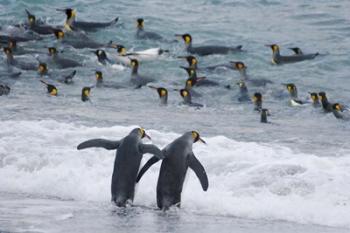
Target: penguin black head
{"x": 7, "y": 51}
{"x": 274, "y": 47}
{"x": 143, "y": 134}
{"x": 322, "y": 95}
{"x": 196, "y": 137}
{"x": 190, "y": 71}
{"x": 192, "y": 60}
{"x": 58, "y": 33}
{"x": 42, "y": 68}
{"x": 51, "y": 89}
{"x": 238, "y": 65}
{"x": 85, "y": 94}
{"x": 52, "y": 51}
{"x": 140, "y": 23}
{"x": 121, "y": 50}
{"x": 257, "y": 97}
{"x": 70, "y": 13}
{"x": 314, "y": 96}
{"x": 99, "y": 76}
{"x": 337, "y": 107}
{"x": 12, "y": 44}
{"x": 184, "y": 93}
{"x": 186, "y": 37}
{"x": 31, "y": 18}
{"x": 101, "y": 54}
{"x": 162, "y": 92}
{"x": 290, "y": 87}
{"x": 134, "y": 63}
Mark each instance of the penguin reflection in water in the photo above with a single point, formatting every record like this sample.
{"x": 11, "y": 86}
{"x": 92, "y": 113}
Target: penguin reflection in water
{"x": 130, "y": 150}
{"x": 179, "y": 157}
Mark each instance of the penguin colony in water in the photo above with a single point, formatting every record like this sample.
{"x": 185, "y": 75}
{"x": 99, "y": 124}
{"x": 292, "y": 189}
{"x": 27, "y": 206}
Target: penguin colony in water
{"x": 178, "y": 156}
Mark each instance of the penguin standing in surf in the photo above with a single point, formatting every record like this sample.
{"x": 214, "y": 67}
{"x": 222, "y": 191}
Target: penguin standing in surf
{"x": 179, "y": 157}
{"x": 130, "y": 150}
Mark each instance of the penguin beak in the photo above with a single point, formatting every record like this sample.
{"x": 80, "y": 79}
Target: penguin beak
{"x": 202, "y": 141}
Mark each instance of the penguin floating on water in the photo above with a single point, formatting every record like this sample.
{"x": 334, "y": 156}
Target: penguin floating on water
{"x": 137, "y": 79}
{"x": 315, "y": 100}
{"x": 85, "y": 94}
{"x": 293, "y": 92}
{"x": 340, "y": 112}
{"x": 51, "y": 89}
{"x": 24, "y": 65}
{"x": 163, "y": 94}
{"x": 327, "y": 106}
{"x": 187, "y": 99}
{"x": 40, "y": 28}
{"x": 142, "y": 34}
{"x": 63, "y": 78}
{"x": 257, "y": 100}
{"x": 243, "y": 92}
{"x": 198, "y": 81}
{"x": 179, "y": 157}
{"x": 277, "y": 58}
{"x": 101, "y": 83}
{"x": 242, "y": 69}
{"x": 72, "y": 24}
{"x": 206, "y": 50}
{"x": 61, "y": 62}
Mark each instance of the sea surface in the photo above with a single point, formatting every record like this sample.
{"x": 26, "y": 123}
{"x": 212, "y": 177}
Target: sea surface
{"x": 292, "y": 175}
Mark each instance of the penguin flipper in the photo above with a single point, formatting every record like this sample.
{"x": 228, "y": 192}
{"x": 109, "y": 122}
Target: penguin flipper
{"x": 198, "y": 168}
{"x": 143, "y": 170}
{"x": 107, "y": 144}
{"x": 151, "y": 149}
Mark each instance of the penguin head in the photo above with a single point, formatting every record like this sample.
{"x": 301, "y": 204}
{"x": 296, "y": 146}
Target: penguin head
{"x": 196, "y": 137}
{"x": 274, "y": 47}
{"x": 140, "y": 23}
{"x": 98, "y": 75}
{"x": 70, "y": 13}
{"x": 186, "y": 38}
{"x": 238, "y": 65}
{"x": 314, "y": 96}
{"x": 192, "y": 60}
{"x": 58, "y": 33}
{"x": 290, "y": 87}
{"x": 189, "y": 83}
{"x": 7, "y": 51}
{"x": 85, "y": 93}
{"x": 31, "y": 19}
{"x": 184, "y": 93}
{"x": 51, "y": 89}
{"x": 143, "y": 134}
{"x": 121, "y": 50}
{"x": 134, "y": 63}
{"x": 322, "y": 95}
{"x": 101, "y": 54}
{"x": 257, "y": 97}
{"x": 162, "y": 92}
{"x": 12, "y": 43}
{"x": 52, "y": 51}
{"x": 42, "y": 68}
{"x": 190, "y": 71}
{"x": 337, "y": 107}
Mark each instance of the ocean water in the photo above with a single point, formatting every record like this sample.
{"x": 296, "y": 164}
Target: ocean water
{"x": 292, "y": 175}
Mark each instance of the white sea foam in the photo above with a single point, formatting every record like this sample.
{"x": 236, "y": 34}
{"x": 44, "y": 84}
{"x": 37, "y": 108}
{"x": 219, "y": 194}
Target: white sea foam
{"x": 247, "y": 180}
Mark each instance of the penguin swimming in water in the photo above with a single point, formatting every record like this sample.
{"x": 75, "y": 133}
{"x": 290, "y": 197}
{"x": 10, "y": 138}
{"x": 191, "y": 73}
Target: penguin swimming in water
{"x": 198, "y": 81}
{"x": 4, "y": 89}
{"x": 102, "y": 57}
{"x": 242, "y": 69}
{"x": 63, "y": 78}
{"x": 293, "y": 92}
{"x": 187, "y": 99}
{"x": 16, "y": 50}
{"x": 61, "y": 62}
{"x": 85, "y": 94}
{"x": 264, "y": 114}
{"x": 72, "y": 24}
{"x": 179, "y": 157}
{"x": 277, "y": 58}
{"x": 37, "y": 27}
{"x": 315, "y": 99}
{"x": 340, "y": 112}
{"x": 257, "y": 100}
{"x": 11, "y": 61}
{"x": 243, "y": 92}
{"x": 101, "y": 83}
{"x": 142, "y": 34}
{"x": 51, "y": 89}
{"x": 207, "y": 50}
{"x": 130, "y": 151}
{"x": 80, "y": 44}
{"x": 137, "y": 79}
{"x": 327, "y": 106}
{"x": 163, "y": 94}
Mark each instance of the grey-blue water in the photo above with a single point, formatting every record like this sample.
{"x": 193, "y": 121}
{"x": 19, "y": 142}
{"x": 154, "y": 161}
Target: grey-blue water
{"x": 261, "y": 175}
